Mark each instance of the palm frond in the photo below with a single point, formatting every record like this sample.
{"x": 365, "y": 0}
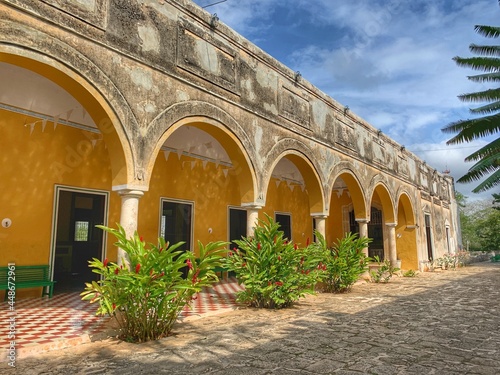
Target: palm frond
{"x": 477, "y": 172}
{"x": 489, "y": 183}
{"x": 487, "y": 31}
{"x": 485, "y": 50}
{"x": 487, "y": 77}
{"x": 481, "y": 96}
{"x": 486, "y": 109}
{"x": 471, "y": 129}
{"x": 490, "y": 149}
{"x": 486, "y": 64}
{"x": 486, "y": 165}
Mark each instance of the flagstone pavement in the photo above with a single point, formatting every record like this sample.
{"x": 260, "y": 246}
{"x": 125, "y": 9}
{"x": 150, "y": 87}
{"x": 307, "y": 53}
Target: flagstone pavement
{"x": 442, "y": 323}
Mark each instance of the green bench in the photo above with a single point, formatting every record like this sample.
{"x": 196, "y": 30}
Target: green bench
{"x": 28, "y": 277}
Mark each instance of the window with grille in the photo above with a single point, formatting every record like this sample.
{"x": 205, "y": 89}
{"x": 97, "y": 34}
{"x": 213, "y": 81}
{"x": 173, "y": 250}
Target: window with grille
{"x": 81, "y": 231}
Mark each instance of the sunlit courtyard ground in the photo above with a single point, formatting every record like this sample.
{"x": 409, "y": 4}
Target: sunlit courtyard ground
{"x": 444, "y": 322}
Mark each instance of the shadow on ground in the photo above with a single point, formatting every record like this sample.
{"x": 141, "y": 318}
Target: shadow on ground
{"x": 444, "y": 323}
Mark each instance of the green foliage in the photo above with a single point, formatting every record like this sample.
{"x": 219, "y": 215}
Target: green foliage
{"x": 410, "y": 273}
{"x": 479, "y": 222}
{"x": 275, "y": 272}
{"x": 345, "y": 262}
{"x": 495, "y": 258}
{"x": 147, "y": 297}
{"x": 384, "y": 272}
{"x": 453, "y": 261}
{"x": 488, "y": 157}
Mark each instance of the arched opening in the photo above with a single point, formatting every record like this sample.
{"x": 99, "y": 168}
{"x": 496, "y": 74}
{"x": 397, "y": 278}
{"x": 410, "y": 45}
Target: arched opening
{"x": 347, "y": 207}
{"x": 293, "y": 195}
{"x": 87, "y": 106}
{"x": 382, "y": 209}
{"x": 406, "y": 234}
{"x": 199, "y": 184}
{"x": 62, "y": 155}
{"x": 376, "y": 233}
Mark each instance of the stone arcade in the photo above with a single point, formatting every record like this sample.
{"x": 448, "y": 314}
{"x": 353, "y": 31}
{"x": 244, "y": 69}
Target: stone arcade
{"x": 150, "y": 114}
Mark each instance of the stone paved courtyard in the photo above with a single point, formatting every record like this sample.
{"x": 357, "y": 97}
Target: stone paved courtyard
{"x": 442, "y": 323}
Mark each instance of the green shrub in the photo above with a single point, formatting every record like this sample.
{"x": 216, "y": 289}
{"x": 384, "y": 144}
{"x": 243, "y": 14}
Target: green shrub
{"x": 345, "y": 262}
{"x": 274, "y": 272}
{"x": 384, "y": 272}
{"x": 409, "y": 273}
{"x": 147, "y": 298}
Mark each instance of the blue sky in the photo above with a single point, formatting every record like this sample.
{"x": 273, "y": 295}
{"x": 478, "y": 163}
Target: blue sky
{"x": 389, "y": 61}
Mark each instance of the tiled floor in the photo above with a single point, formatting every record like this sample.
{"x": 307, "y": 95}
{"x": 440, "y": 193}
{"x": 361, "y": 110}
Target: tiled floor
{"x": 65, "y": 317}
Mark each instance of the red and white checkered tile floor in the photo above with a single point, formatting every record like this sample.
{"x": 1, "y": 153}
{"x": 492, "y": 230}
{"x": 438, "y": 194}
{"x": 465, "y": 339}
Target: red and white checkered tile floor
{"x": 44, "y": 321}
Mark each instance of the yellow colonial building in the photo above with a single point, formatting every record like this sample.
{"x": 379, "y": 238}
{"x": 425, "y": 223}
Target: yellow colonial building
{"x": 154, "y": 115}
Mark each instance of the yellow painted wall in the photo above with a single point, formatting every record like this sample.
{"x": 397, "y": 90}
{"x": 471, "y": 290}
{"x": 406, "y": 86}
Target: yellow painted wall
{"x": 334, "y": 222}
{"x": 207, "y": 186}
{"x": 282, "y": 199}
{"x": 31, "y": 164}
{"x": 406, "y": 242}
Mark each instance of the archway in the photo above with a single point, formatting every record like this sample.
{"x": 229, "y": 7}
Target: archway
{"x": 382, "y": 224}
{"x": 406, "y": 234}
{"x": 294, "y": 195}
{"x": 200, "y": 176}
{"x": 347, "y": 206}
{"x": 56, "y": 132}
{"x": 92, "y": 110}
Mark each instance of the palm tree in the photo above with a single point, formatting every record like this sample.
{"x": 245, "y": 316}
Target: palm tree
{"x": 487, "y": 158}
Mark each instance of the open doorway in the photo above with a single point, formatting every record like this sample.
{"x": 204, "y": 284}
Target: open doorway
{"x": 428, "y": 236}
{"x": 77, "y": 240}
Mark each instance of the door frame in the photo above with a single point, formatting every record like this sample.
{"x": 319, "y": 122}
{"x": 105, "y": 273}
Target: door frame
{"x": 181, "y": 201}
{"x": 429, "y": 236}
{"x": 53, "y": 238}
{"x": 239, "y": 208}
{"x": 284, "y": 213}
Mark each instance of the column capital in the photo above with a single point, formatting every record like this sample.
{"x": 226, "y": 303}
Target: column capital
{"x": 131, "y": 187}
{"x": 319, "y": 215}
{"x": 391, "y": 225}
{"x": 131, "y": 193}
{"x": 251, "y": 206}
{"x": 362, "y": 220}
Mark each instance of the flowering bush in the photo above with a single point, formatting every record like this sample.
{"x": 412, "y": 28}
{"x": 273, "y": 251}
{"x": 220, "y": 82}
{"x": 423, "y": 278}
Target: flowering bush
{"x": 274, "y": 272}
{"x": 345, "y": 262}
{"x": 147, "y": 297}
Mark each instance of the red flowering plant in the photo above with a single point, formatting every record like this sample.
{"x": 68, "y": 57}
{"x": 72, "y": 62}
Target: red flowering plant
{"x": 344, "y": 263}
{"x": 274, "y": 272}
{"x": 147, "y": 296}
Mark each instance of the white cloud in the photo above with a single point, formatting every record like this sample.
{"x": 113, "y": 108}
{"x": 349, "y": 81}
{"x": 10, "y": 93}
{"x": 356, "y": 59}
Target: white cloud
{"x": 251, "y": 18}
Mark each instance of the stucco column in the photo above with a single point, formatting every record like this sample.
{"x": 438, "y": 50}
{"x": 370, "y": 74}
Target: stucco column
{"x": 128, "y": 217}
{"x": 393, "y": 256}
{"x": 320, "y": 224}
{"x": 363, "y": 231}
{"x": 252, "y": 219}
